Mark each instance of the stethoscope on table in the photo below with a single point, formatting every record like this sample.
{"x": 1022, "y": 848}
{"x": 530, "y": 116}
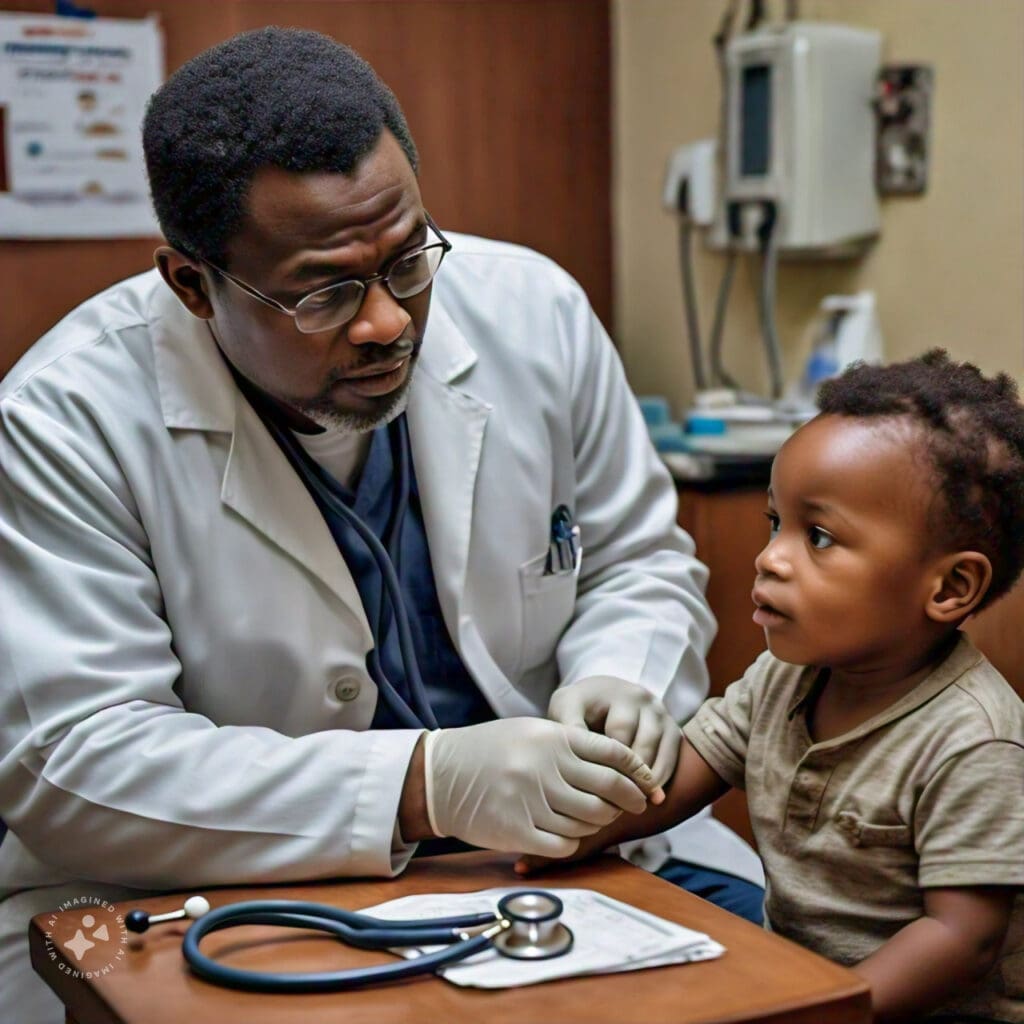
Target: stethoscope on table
{"x": 526, "y": 925}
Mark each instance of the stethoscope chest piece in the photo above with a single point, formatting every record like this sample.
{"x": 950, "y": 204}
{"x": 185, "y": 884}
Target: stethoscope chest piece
{"x": 536, "y": 933}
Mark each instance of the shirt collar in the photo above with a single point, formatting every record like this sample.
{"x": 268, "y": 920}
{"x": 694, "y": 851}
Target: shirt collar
{"x": 961, "y": 659}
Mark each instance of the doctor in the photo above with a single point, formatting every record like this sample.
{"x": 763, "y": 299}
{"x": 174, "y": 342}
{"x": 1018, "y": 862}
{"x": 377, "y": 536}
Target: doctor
{"x": 202, "y": 675}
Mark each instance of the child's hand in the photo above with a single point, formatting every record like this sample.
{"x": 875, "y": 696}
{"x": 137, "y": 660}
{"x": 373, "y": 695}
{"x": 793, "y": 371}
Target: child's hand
{"x": 693, "y": 786}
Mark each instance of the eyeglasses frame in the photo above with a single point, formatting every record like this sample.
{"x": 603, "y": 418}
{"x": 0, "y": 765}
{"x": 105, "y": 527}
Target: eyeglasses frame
{"x": 382, "y": 276}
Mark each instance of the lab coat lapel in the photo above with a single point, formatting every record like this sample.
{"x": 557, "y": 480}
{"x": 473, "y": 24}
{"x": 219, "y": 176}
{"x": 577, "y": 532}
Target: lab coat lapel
{"x": 446, "y": 432}
{"x": 197, "y": 392}
{"x": 261, "y": 486}
{"x": 447, "y": 428}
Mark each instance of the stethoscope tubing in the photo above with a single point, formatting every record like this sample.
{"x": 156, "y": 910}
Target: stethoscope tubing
{"x": 353, "y": 928}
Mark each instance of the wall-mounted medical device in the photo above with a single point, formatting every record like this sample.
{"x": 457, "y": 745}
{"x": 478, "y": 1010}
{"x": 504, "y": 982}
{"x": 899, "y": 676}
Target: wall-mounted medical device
{"x": 799, "y": 134}
{"x": 792, "y": 172}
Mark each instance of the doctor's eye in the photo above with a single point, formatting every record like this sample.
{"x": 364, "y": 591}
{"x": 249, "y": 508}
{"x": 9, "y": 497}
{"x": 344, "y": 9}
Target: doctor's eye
{"x": 322, "y": 299}
{"x": 820, "y": 538}
{"x": 773, "y": 523}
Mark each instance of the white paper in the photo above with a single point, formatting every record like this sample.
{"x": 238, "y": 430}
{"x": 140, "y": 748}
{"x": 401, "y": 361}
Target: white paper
{"x": 73, "y": 93}
{"x": 610, "y": 936}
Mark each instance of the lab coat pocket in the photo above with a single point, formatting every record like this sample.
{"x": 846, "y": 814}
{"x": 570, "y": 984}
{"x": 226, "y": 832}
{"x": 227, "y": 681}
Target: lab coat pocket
{"x": 866, "y": 833}
{"x": 548, "y": 601}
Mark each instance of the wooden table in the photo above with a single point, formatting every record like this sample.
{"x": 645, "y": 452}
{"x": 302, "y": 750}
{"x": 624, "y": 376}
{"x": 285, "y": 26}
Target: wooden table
{"x": 761, "y": 978}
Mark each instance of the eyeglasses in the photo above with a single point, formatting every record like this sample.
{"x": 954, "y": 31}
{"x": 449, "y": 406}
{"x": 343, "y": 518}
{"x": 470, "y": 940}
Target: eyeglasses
{"x": 326, "y": 308}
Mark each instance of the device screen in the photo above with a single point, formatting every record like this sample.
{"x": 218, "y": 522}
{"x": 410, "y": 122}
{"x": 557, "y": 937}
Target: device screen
{"x": 755, "y": 120}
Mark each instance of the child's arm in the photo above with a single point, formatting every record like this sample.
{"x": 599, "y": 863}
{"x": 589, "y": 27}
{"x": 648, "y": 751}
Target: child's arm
{"x": 694, "y": 785}
{"x": 952, "y": 946}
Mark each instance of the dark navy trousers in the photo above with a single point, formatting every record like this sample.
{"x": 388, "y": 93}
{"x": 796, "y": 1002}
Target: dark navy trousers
{"x": 726, "y": 891}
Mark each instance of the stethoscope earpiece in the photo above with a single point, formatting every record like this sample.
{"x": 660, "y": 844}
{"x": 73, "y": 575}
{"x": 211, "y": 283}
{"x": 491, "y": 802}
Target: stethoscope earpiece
{"x": 139, "y": 921}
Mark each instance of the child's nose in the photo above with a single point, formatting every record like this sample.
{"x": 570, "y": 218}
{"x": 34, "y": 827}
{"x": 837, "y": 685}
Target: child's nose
{"x": 772, "y": 560}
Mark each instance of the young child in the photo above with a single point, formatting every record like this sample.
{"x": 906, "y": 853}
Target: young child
{"x": 882, "y": 755}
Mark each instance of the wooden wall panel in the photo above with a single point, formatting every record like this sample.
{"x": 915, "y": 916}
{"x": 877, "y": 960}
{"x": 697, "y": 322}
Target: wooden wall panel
{"x": 729, "y": 529}
{"x": 40, "y": 281}
{"x": 509, "y": 102}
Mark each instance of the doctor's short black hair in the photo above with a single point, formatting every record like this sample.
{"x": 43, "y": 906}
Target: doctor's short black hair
{"x": 972, "y": 428}
{"x": 275, "y": 97}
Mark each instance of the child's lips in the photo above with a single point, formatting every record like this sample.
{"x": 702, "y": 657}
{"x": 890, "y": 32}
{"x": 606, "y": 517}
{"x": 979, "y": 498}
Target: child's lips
{"x": 765, "y": 613}
{"x": 768, "y": 617}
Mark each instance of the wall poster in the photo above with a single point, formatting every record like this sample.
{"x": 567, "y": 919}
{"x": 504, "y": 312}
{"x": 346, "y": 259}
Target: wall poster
{"x": 73, "y": 92}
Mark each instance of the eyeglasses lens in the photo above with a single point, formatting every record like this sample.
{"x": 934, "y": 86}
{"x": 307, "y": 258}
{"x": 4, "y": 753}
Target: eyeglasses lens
{"x": 409, "y": 276}
{"x": 331, "y": 307}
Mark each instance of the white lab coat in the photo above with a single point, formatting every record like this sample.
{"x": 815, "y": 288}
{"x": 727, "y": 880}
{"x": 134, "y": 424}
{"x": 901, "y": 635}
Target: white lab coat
{"x": 183, "y": 692}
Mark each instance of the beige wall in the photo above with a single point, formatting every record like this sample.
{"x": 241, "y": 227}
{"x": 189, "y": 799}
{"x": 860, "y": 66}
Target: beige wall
{"x": 948, "y": 268}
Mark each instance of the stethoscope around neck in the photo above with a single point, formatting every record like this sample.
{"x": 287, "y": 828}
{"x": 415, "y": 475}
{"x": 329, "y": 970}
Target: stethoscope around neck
{"x": 525, "y": 925}
{"x": 419, "y": 715}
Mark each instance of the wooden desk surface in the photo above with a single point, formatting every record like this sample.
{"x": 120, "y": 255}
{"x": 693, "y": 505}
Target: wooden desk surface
{"x": 762, "y": 978}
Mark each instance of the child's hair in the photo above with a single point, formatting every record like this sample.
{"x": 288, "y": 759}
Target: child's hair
{"x": 973, "y": 431}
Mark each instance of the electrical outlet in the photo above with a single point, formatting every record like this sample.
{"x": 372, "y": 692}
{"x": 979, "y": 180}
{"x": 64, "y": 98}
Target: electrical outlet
{"x": 902, "y": 102}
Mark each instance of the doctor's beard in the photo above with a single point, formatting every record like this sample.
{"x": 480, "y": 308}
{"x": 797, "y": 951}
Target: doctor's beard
{"x": 323, "y": 408}
{"x": 323, "y": 412}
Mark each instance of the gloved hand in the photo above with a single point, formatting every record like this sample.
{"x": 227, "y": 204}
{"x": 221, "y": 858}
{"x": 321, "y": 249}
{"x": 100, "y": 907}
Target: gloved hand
{"x": 626, "y": 712}
{"x": 528, "y": 785}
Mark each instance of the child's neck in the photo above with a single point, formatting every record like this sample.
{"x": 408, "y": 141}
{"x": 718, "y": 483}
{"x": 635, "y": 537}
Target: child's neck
{"x": 850, "y": 697}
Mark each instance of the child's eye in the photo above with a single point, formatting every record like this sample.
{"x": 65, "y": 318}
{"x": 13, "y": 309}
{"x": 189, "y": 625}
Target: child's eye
{"x": 820, "y": 538}
{"x": 773, "y": 523}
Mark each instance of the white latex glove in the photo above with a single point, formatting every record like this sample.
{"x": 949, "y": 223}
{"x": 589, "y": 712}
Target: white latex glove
{"x": 528, "y": 785}
{"x": 626, "y": 712}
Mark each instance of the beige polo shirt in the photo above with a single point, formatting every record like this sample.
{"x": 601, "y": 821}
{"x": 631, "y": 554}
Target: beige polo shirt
{"x": 929, "y": 793}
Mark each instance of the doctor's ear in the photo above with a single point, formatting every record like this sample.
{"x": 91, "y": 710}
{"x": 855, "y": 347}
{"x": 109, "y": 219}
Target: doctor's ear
{"x": 962, "y": 580}
{"x": 185, "y": 279}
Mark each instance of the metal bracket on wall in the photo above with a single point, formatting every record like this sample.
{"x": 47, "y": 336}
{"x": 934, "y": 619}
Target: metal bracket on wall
{"x": 902, "y": 102}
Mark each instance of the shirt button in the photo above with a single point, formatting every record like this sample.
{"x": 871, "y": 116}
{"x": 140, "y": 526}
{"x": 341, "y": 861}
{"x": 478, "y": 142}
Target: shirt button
{"x": 347, "y": 688}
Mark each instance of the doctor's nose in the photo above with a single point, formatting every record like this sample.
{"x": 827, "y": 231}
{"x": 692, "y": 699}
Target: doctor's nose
{"x": 380, "y": 319}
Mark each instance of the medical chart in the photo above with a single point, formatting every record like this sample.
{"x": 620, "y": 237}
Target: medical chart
{"x": 610, "y": 936}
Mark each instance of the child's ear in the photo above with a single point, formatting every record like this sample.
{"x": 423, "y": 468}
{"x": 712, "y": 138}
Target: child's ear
{"x": 961, "y": 581}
